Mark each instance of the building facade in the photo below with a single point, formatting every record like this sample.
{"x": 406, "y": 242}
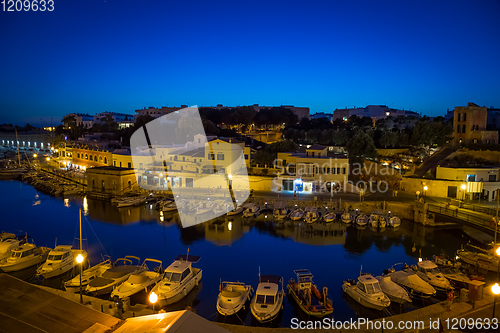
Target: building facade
{"x": 470, "y": 126}
{"x": 375, "y": 112}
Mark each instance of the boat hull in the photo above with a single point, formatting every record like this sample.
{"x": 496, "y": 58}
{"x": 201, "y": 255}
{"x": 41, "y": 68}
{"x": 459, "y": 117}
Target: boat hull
{"x": 351, "y": 291}
{"x": 227, "y": 310}
{"x": 318, "y": 314}
{"x": 268, "y": 316}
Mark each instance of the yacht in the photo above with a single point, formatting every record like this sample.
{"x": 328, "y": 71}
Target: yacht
{"x": 455, "y": 276}
{"x": 268, "y": 300}
{"x": 362, "y": 219}
{"x": 279, "y": 211}
{"x": 394, "y": 222}
{"x": 346, "y": 217}
{"x": 60, "y": 260}
{"x": 250, "y": 209}
{"x": 305, "y": 293}
{"x": 311, "y": 214}
{"x": 297, "y": 214}
{"x": 233, "y": 297}
{"x": 414, "y": 285}
{"x": 178, "y": 280}
{"x": 481, "y": 258}
{"x": 113, "y": 277}
{"x": 429, "y": 272}
{"x": 88, "y": 275}
{"x": 8, "y": 244}
{"x": 367, "y": 292}
{"x": 140, "y": 281}
{"x": 24, "y": 256}
{"x": 394, "y": 291}
{"x": 330, "y": 217}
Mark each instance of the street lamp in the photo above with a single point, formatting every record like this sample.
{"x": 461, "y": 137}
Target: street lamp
{"x": 496, "y": 290}
{"x": 425, "y": 190}
{"x": 35, "y": 155}
{"x": 153, "y": 298}
{"x": 79, "y": 259}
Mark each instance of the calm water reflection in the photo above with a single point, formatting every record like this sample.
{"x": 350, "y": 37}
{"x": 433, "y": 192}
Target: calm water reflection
{"x": 231, "y": 249}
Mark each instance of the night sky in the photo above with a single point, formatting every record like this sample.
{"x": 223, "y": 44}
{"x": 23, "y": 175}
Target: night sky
{"x": 121, "y": 55}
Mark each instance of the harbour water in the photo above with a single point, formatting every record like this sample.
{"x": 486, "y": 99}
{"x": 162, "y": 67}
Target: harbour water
{"x": 231, "y": 249}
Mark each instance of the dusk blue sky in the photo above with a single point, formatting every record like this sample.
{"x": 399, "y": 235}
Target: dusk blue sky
{"x": 119, "y": 55}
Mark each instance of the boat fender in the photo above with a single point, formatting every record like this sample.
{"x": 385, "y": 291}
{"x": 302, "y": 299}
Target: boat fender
{"x": 197, "y": 282}
{"x": 185, "y": 292}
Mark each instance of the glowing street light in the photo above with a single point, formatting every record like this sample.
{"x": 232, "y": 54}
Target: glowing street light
{"x": 79, "y": 259}
{"x": 495, "y": 289}
{"x": 425, "y": 188}
{"x": 35, "y": 155}
{"x": 463, "y": 186}
{"x": 230, "y": 176}
{"x": 48, "y": 158}
{"x": 153, "y": 298}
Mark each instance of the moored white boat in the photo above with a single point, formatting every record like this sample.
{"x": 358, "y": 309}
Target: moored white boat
{"x": 394, "y": 222}
{"x": 268, "y": 300}
{"x": 250, "y": 209}
{"x": 88, "y": 275}
{"x": 373, "y": 220}
{"x": 131, "y": 201}
{"x": 382, "y": 222}
{"x": 429, "y": 272}
{"x": 24, "y": 256}
{"x": 59, "y": 260}
{"x": 8, "y": 244}
{"x": 297, "y": 214}
{"x": 367, "y": 292}
{"x": 178, "y": 280}
{"x": 330, "y": 217}
{"x": 279, "y": 211}
{"x": 233, "y": 211}
{"x": 346, "y": 217}
{"x": 481, "y": 258}
{"x": 362, "y": 219}
{"x": 311, "y": 214}
{"x": 307, "y": 296}
{"x": 394, "y": 291}
{"x": 232, "y": 297}
{"x": 140, "y": 281}
{"x": 113, "y": 277}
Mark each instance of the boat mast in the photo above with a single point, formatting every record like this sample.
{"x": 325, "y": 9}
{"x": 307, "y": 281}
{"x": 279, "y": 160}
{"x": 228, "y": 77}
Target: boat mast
{"x": 80, "y": 210}
{"x": 496, "y": 220}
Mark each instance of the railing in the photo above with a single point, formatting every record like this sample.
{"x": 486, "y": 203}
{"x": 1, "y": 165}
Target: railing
{"x": 483, "y": 222}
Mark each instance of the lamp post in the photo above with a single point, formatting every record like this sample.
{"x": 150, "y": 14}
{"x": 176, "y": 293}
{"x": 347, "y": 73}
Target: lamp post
{"x": 463, "y": 192}
{"x": 153, "y": 298}
{"x": 79, "y": 259}
{"x": 425, "y": 189}
{"x": 496, "y": 290}
{"x": 498, "y": 259}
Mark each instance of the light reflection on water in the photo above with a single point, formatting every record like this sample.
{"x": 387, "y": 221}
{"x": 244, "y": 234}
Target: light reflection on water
{"x": 232, "y": 249}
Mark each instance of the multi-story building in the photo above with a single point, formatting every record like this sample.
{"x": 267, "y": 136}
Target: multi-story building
{"x": 375, "y": 112}
{"x": 469, "y": 125}
{"x": 122, "y": 119}
{"x": 82, "y": 119}
{"x": 311, "y": 171}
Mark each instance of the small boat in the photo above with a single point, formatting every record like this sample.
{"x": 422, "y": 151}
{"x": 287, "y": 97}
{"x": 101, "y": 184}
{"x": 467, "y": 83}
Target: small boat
{"x": 113, "y": 277}
{"x": 219, "y": 208}
{"x": 268, "y": 300}
{"x": 60, "y": 260}
{"x": 346, "y": 217}
{"x": 394, "y": 222}
{"x": 367, "y": 292}
{"x": 330, "y": 217}
{"x": 307, "y": 296}
{"x": 480, "y": 258}
{"x": 88, "y": 275}
{"x": 178, "y": 280}
{"x": 8, "y": 244}
{"x": 382, "y": 222}
{"x": 232, "y": 297}
{"x": 429, "y": 272}
{"x": 24, "y": 256}
{"x": 362, "y": 219}
{"x": 131, "y": 201}
{"x": 297, "y": 214}
{"x": 414, "y": 285}
{"x": 311, "y": 214}
{"x": 394, "y": 291}
{"x": 250, "y": 209}
{"x": 279, "y": 211}
{"x": 373, "y": 220}
{"x": 140, "y": 281}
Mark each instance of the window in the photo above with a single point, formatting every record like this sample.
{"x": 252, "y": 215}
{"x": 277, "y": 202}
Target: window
{"x": 260, "y": 299}
{"x": 95, "y": 158}
{"x": 361, "y": 286}
{"x": 189, "y": 182}
{"x": 78, "y": 155}
{"x": 120, "y": 164}
{"x": 129, "y": 164}
{"x": 464, "y": 116}
{"x": 114, "y": 163}
{"x": 458, "y": 128}
{"x": 463, "y": 128}
{"x": 100, "y": 159}
{"x": 185, "y": 274}
{"x": 141, "y": 165}
{"x": 183, "y": 159}
{"x": 338, "y": 171}
{"x": 86, "y": 156}
{"x": 343, "y": 171}
{"x": 129, "y": 184}
{"x": 246, "y": 156}
{"x": 105, "y": 160}
{"x": 211, "y": 156}
{"x": 471, "y": 178}
{"x": 269, "y": 299}
{"x": 492, "y": 178}
{"x": 220, "y": 157}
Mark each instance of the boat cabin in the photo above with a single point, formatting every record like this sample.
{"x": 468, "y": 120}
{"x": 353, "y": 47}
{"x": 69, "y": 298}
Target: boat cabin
{"x": 60, "y": 252}
{"x": 6, "y": 235}
{"x": 23, "y": 251}
{"x": 267, "y": 291}
{"x": 180, "y": 269}
{"x": 304, "y": 279}
{"x": 368, "y": 284}
{"x": 427, "y": 266}
{"x": 8, "y": 245}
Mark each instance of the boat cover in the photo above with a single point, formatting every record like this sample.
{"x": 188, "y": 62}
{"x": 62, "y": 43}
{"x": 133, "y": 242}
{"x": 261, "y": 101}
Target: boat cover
{"x": 117, "y": 272}
{"x": 137, "y": 278}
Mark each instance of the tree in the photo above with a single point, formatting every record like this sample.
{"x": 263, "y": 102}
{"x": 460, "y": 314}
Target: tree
{"x": 69, "y": 121}
{"x": 388, "y": 138}
{"x": 360, "y": 147}
{"x": 263, "y": 157}
{"x": 111, "y": 124}
{"x": 142, "y": 120}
